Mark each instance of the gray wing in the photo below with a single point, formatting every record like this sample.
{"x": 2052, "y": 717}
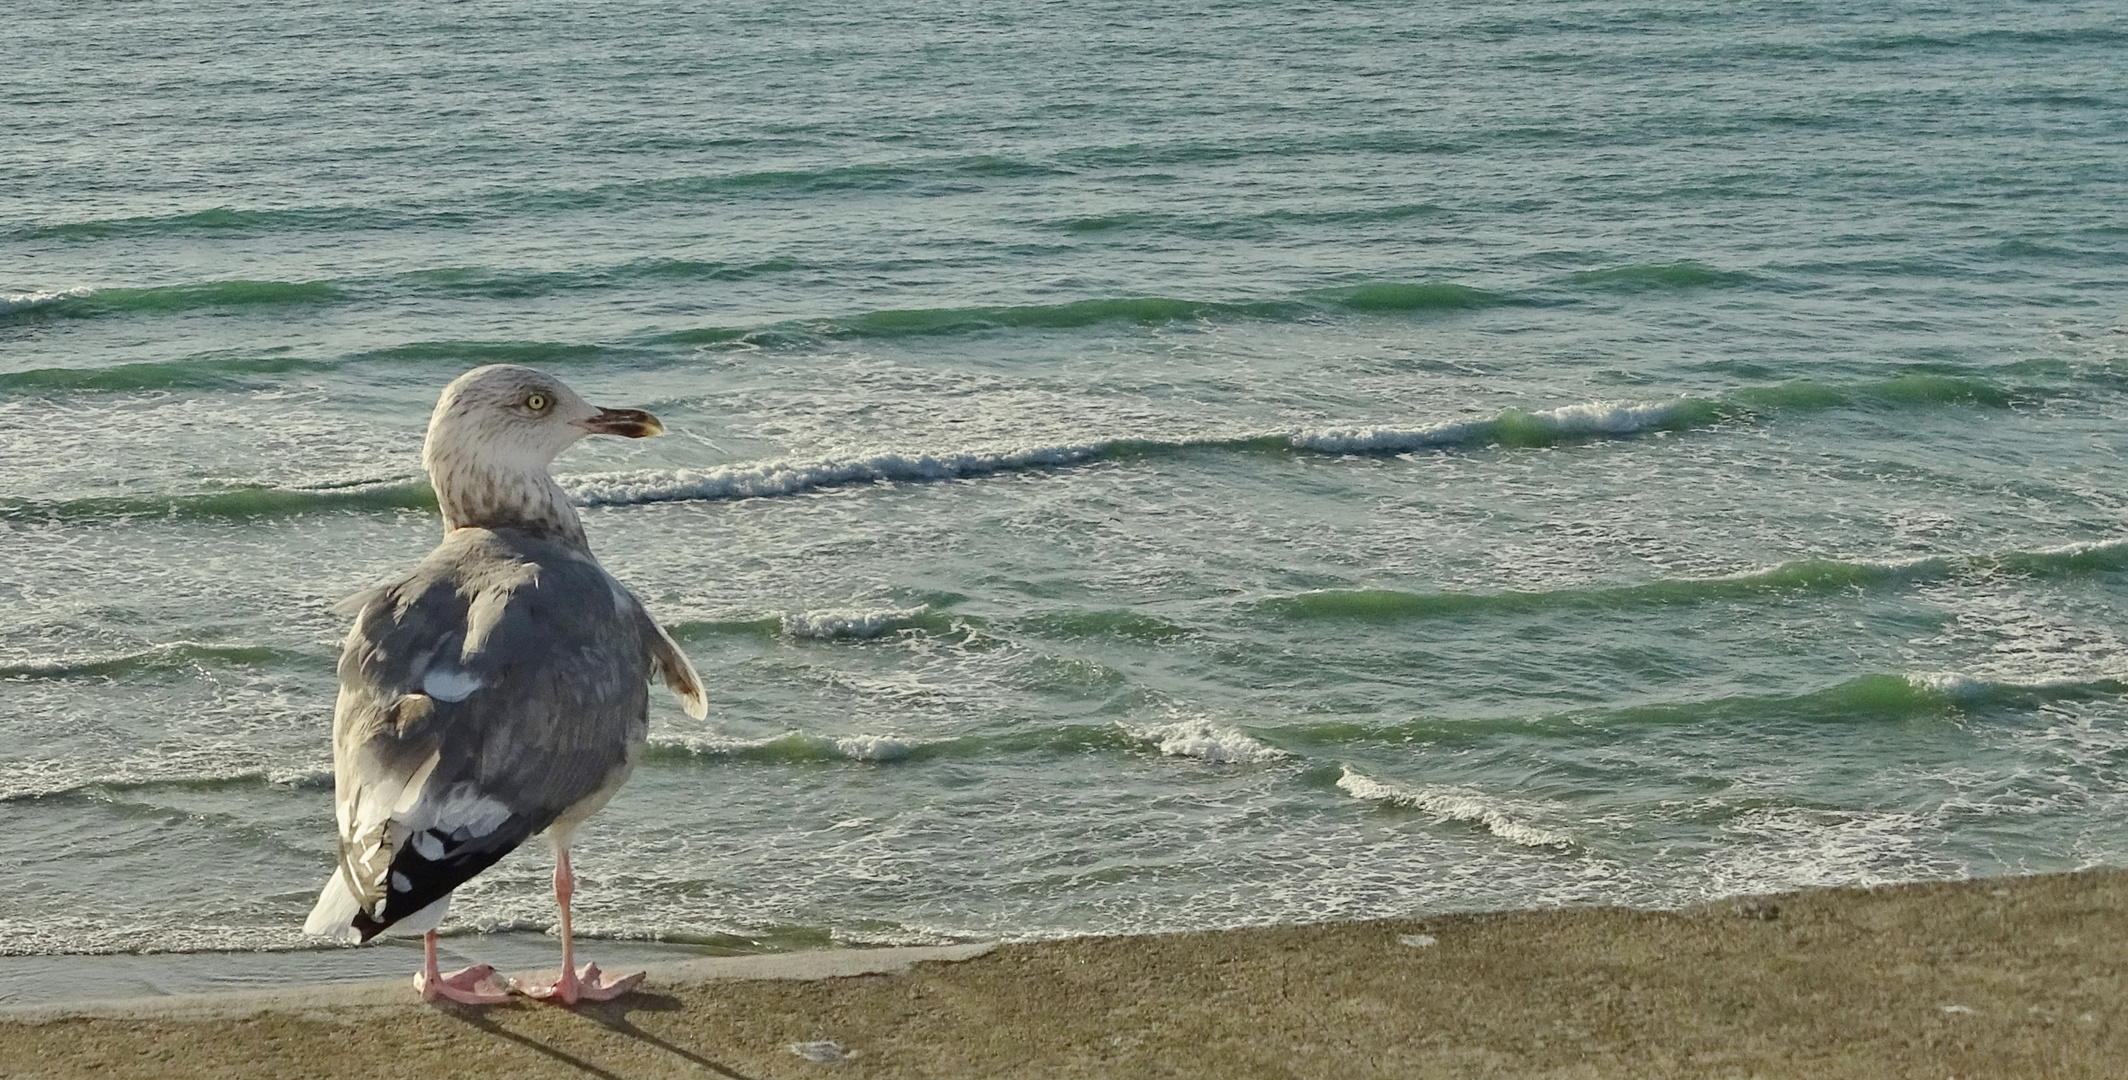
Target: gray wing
{"x": 482, "y": 698}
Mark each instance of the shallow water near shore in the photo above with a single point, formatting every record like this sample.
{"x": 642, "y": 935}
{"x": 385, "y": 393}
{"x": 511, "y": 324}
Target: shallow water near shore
{"x": 1130, "y": 468}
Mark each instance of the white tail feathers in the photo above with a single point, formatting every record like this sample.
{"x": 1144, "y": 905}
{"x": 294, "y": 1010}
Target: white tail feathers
{"x": 334, "y": 915}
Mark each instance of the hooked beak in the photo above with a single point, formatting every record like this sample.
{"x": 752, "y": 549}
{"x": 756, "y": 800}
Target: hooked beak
{"x": 628, "y": 423}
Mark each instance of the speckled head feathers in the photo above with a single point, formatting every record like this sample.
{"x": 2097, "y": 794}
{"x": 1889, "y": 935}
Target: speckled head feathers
{"x": 493, "y": 434}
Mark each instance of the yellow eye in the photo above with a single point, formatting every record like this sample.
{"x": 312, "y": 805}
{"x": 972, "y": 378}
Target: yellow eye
{"x": 536, "y": 402}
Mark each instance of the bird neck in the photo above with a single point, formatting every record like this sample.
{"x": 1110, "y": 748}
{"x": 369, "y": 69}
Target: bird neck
{"x": 501, "y": 498}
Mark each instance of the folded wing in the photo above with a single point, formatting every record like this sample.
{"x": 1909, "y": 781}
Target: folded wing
{"x": 500, "y": 688}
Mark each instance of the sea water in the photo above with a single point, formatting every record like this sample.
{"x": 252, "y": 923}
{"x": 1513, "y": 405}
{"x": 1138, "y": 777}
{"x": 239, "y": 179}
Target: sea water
{"x": 1132, "y": 466}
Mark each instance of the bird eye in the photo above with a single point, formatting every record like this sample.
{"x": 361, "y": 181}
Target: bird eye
{"x": 536, "y": 402}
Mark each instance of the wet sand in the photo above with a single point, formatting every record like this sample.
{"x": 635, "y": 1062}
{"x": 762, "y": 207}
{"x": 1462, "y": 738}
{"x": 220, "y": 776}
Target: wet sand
{"x": 2013, "y": 977}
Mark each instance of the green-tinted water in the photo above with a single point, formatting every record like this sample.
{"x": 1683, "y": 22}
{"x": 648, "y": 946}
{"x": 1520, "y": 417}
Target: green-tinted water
{"x": 1132, "y": 466}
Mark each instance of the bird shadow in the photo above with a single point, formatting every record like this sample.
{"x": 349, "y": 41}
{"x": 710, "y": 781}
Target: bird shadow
{"x": 611, "y": 1015}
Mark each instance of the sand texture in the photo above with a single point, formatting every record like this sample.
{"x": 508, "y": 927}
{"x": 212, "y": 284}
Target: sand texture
{"x": 2018, "y": 977}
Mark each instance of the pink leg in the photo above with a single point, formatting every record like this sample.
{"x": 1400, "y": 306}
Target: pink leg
{"x": 475, "y": 985}
{"x": 573, "y": 984}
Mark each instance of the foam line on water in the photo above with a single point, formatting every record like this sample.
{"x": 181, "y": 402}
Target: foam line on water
{"x": 26, "y": 780}
{"x": 1509, "y": 428}
{"x": 1209, "y": 742}
{"x": 791, "y": 747}
{"x": 175, "y": 655}
{"x": 765, "y": 479}
{"x": 848, "y": 624}
{"x": 793, "y": 476}
{"x": 81, "y": 302}
{"x": 1455, "y": 803}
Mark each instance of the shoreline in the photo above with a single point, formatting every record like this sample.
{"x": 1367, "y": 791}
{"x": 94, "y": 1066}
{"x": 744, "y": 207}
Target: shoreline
{"x": 2005, "y": 976}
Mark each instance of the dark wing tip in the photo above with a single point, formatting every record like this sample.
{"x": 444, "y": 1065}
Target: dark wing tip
{"x": 415, "y": 881}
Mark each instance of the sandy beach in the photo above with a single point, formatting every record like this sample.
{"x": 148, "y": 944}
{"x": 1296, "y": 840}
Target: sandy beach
{"x": 2005, "y": 977}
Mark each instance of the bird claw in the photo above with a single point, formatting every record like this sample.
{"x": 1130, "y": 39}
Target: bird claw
{"x": 475, "y": 985}
{"x": 567, "y": 987}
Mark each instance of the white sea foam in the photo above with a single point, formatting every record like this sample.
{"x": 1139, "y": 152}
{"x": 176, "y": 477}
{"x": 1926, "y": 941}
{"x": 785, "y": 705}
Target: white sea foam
{"x": 36, "y": 779}
{"x": 873, "y": 747}
{"x": 1207, "y": 741}
{"x": 1383, "y": 440}
{"x": 1452, "y": 804}
{"x": 2082, "y": 547}
{"x": 11, "y": 303}
{"x": 314, "y": 776}
{"x": 789, "y": 477}
{"x": 1962, "y": 687}
{"x": 1609, "y": 417}
{"x": 1789, "y": 847}
{"x": 859, "y": 625}
{"x": 1568, "y": 421}
{"x": 877, "y": 748}
{"x": 1950, "y": 684}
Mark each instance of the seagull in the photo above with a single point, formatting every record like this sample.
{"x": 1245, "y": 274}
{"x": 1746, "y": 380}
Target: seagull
{"x": 498, "y": 692}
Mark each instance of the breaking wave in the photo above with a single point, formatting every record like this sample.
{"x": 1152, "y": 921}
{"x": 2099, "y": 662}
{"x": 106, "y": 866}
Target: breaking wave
{"x": 788, "y": 748}
{"x": 848, "y": 625}
{"x": 1510, "y": 428}
{"x": 1206, "y": 741}
{"x": 1453, "y": 804}
{"x": 789, "y": 477}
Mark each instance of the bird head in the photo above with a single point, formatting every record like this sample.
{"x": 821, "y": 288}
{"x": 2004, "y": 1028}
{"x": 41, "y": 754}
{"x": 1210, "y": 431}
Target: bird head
{"x": 493, "y": 434}
{"x": 516, "y": 419}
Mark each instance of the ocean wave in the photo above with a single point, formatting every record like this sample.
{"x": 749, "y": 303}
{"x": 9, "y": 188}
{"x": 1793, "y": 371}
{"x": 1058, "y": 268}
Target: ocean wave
{"x": 1209, "y": 742}
{"x": 90, "y": 303}
{"x": 1379, "y": 298}
{"x": 799, "y": 747}
{"x": 792, "y": 747}
{"x": 791, "y": 477}
{"x": 1870, "y": 698}
{"x": 1864, "y": 699}
{"x": 1106, "y": 623}
{"x": 231, "y": 221}
{"x": 26, "y": 780}
{"x": 1807, "y": 575}
{"x": 1510, "y": 428}
{"x": 230, "y": 503}
{"x": 1456, "y": 803}
{"x": 1800, "y": 576}
{"x": 830, "y": 624}
{"x": 217, "y": 372}
{"x": 1382, "y": 298}
{"x": 770, "y": 183}
{"x": 1071, "y": 315}
{"x": 1962, "y": 689}
{"x": 498, "y": 283}
{"x": 536, "y": 353}
{"x": 166, "y": 657}
{"x": 874, "y": 747}
{"x": 232, "y": 372}
{"x": 13, "y": 304}
{"x": 775, "y": 478}
{"x": 773, "y": 183}
{"x": 1682, "y": 274}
